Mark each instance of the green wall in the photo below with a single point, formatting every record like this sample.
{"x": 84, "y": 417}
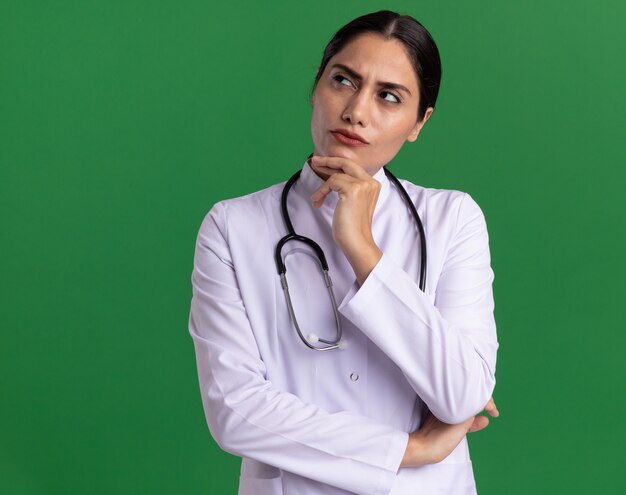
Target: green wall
{"x": 122, "y": 122}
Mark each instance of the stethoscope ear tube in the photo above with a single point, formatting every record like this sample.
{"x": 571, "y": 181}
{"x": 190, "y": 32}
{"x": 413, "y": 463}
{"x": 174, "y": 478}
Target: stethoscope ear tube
{"x": 331, "y": 344}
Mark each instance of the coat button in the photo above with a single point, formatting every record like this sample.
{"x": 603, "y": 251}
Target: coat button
{"x": 354, "y": 377}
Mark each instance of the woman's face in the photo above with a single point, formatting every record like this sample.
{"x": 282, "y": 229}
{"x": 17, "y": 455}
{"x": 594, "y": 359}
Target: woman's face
{"x": 368, "y": 88}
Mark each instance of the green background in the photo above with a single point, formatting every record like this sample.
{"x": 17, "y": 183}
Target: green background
{"x": 122, "y": 122}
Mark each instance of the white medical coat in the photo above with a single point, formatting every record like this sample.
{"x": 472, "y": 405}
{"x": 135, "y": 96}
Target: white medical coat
{"x": 335, "y": 422}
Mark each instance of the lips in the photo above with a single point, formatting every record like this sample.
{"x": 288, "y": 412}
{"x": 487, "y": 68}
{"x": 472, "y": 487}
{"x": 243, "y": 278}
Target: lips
{"x": 348, "y": 137}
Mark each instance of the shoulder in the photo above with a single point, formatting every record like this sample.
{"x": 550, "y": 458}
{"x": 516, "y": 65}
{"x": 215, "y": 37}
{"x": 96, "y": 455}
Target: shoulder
{"x": 449, "y": 200}
{"x": 451, "y": 210}
{"x": 245, "y": 210}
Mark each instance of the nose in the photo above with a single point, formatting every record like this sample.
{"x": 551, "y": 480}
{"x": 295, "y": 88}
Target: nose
{"x": 356, "y": 111}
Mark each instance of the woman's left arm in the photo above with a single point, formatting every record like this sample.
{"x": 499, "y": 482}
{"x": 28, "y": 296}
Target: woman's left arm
{"x": 448, "y": 352}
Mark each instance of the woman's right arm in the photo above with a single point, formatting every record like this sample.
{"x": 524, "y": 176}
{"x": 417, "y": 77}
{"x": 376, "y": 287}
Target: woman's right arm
{"x": 248, "y": 416}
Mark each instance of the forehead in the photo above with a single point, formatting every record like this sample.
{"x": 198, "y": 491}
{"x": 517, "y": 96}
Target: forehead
{"x": 379, "y": 59}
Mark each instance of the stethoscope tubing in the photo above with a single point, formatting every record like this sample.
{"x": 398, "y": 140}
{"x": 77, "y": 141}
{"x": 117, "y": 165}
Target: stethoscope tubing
{"x": 292, "y": 236}
{"x": 420, "y": 226}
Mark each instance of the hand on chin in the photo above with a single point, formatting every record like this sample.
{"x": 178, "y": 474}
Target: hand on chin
{"x": 340, "y": 152}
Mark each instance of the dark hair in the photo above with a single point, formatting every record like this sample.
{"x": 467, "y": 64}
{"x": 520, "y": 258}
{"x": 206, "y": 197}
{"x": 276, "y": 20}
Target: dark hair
{"x": 420, "y": 47}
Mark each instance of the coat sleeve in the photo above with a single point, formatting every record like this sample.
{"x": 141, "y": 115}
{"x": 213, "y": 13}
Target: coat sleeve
{"x": 447, "y": 351}
{"x": 247, "y": 415}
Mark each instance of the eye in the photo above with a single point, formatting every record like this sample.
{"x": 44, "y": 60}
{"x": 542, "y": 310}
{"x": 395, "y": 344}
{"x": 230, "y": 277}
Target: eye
{"x": 396, "y": 99}
{"x": 339, "y": 78}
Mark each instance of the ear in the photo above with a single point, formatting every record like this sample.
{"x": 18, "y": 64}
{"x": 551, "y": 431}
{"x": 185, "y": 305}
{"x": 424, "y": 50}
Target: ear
{"x": 412, "y": 137}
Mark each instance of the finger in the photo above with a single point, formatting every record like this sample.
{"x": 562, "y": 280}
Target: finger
{"x": 340, "y": 164}
{"x": 338, "y": 182}
{"x": 321, "y": 168}
{"x": 491, "y": 408}
{"x": 479, "y": 423}
{"x": 326, "y": 170}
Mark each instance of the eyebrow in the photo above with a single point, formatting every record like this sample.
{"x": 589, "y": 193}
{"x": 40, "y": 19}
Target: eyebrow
{"x": 359, "y": 77}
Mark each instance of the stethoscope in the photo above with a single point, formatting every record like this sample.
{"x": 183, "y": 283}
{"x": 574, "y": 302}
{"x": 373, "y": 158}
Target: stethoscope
{"x": 312, "y": 338}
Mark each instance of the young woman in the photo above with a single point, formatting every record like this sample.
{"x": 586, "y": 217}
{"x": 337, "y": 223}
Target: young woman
{"x": 364, "y": 378}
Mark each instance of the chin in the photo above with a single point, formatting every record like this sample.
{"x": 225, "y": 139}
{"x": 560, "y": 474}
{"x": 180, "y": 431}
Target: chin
{"x": 353, "y": 154}
{"x": 343, "y": 152}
